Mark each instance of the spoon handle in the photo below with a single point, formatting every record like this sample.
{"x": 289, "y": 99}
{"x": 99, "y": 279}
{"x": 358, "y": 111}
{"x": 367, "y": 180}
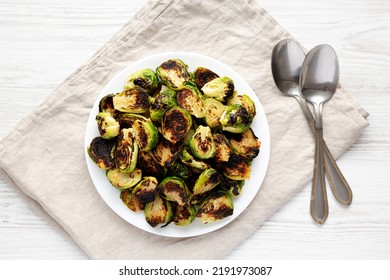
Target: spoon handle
{"x": 319, "y": 209}
{"x": 339, "y": 185}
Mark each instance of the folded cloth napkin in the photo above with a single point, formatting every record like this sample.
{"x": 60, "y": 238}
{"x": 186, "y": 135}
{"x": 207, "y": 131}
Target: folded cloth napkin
{"x": 44, "y": 155}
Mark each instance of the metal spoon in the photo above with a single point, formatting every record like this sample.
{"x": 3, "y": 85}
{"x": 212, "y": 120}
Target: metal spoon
{"x": 287, "y": 59}
{"x": 318, "y": 82}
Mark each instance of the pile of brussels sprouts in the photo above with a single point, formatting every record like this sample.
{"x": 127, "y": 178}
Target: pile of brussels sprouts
{"x": 177, "y": 144}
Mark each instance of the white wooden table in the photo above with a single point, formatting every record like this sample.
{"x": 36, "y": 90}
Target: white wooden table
{"x": 42, "y": 42}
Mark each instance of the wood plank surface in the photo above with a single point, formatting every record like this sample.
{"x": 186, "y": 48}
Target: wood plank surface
{"x": 42, "y": 42}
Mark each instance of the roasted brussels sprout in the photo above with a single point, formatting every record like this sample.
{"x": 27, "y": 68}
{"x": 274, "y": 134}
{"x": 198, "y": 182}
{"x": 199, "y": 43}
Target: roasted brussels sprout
{"x": 203, "y": 75}
{"x": 222, "y": 148}
{"x": 245, "y": 101}
{"x": 134, "y": 100}
{"x": 106, "y": 104}
{"x": 158, "y": 211}
{"x": 174, "y": 73}
{"x": 213, "y": 112}
{"x": 126, "y": 151}
{"x": 202, "y": 144}
{"x": 184, "y": 215}
{"x": 121, "y": 180}
{"x": 126, "y": 120}
{"x": 176, "y": 123}
{"x": 180, "y": 170}
{"x": 130, "y": 201}
{"x": 233, "y": 187}
{"x": 191, "y": 99}
{"x": 101, "y": 151}
{"x": 147, "y": 161}
{"x": 175, "y": 189}
{"x": 245, "y": 144}
{"x": 146, "y": 134}
{"x": 217, "y": 206}
{"x": 219, "y": 88}
{"x": 145, "y": 190}
{"x": 236, "y": 119}
{"x": 145, "y": 79}
{"x": 162, "y": 102}
{"x": 107, "y": 125}
{"x": 237, "y": 168}
{"x": 166, "y": 152}
{"x": 188, "y": 159}
{"x": 206, "y": 181}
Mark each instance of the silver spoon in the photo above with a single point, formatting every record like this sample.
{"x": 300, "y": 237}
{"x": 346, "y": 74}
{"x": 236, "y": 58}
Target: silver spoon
{"x": 287, "y": 59}
{"x": 318, "y": 82}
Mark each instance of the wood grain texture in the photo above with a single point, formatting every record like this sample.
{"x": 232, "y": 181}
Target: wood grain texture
{"x": 43, "y": 42}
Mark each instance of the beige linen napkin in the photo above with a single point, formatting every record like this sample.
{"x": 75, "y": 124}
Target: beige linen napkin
{"x": 44, "y": 155}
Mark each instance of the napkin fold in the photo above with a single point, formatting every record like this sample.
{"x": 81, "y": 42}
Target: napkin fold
{"x": 43, "y": 156}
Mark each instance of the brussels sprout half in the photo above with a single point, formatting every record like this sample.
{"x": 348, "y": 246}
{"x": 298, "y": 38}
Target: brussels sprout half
{"x": 245, "y": 101}
{"x": 236, "y": 119}
{"x": 213, "y": 112}
{"x": 180, "y": 170}
{"x": 107, "y": 125}
{"x": 184, "y": 215}
{"x": 188, "y": 159}
{"x": 106, "y": 104}
{"x": 176, "y": 123}
{"x": 130, "y": 201}
{"x": 148, "y": 162}
{"x": 126, "y": 151}
{"x": 203, "y": 75}
{"x": 145, "y": 190}
{"x": 174, "y": 73}
{"x": 202, "y": 144}
{"x": 175, "y": 189}
{"x": 126, "y": 120}
{"x": 206, "y": 181}
{"x": 191, "y": 99}
{"x": 121, "y": 180}
{"x": 134, "y": 100}
{"x": 145, "y": 79}
{"x": 146, "y": 134}
{"x": 166, "y": 152}
{"x": 219, "y": 88}
{"x": 222, "y": 148}
{"x": 237, "y": 168}
{"x": 101, "y": 151}
{"x": 158, "y": 211}
{"x": 233, "y": 187}
{"x": 245, "y": 144}
{"x": 215, "y": 207}
{"x": 162, "y": 102}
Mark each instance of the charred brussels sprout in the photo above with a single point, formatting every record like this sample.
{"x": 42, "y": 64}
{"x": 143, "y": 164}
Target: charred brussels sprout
{"x": 191, "y": 99}
{"x": 158, "y": 211}
{"x": 219, "y": 88}
{"x": 121, "y": 180}
{"x": 176, "y": 123}
{"x": 236, "y": 119}
{"x": 203, "y": 75}
{"x": 184, "y": 215}
{"x": 107, "y": 125}
{"x": 130, "y": 201}
{"x": 163, "y": 101}
{"x": 206, "y": 181}
{"x": 145, "y": 191}
{"x": 106, "y": 104}
{"x": 166, "y": 152}
{"x": 145, "y": 79}
{"x": 213, "y": 112}
{"x": 126, "y": 120}
{"x": 217, "y": 206}
{"x": 146, "y": 134}
{"x": 180, "y": 170}
{"x": 126, "y": 151}
{"x": 222, "y": 148}
{"x": 134, "y": 100}
{"x": 175, "y": 189}
{"x": 237, "y": 168}
{"x": 245, "y": 144}
{"x": 147, "y": 161}
{"x": 202, "y": 144}
{"x": 245, "y": 101}
{"x": 188, "y": 159}
{"x": 101, "y": 151}
{"x": 233, "y": 187}
{"x": 174, "y": 73}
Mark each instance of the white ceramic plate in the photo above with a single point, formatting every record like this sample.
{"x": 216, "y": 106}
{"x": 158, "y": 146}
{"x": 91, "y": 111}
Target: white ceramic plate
{"x": 259, "y": 166}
